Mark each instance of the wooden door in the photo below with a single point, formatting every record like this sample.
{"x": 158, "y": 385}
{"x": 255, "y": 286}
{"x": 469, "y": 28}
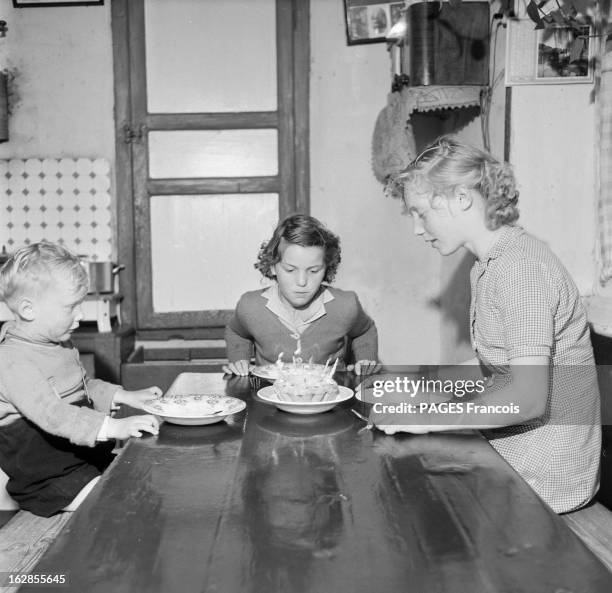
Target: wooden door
{"x": 212, "y": 148}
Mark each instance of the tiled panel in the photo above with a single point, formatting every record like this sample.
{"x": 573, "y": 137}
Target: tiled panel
{"x": 61, "y": 200}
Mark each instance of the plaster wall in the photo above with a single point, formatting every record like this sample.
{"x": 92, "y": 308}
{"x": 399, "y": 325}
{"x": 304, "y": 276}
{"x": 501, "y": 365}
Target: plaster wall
{"x": 62, "y": 104}
{"x": 553, "y": 152}
{"x": 396, "y": 275}
{"x": 63, "y": 107}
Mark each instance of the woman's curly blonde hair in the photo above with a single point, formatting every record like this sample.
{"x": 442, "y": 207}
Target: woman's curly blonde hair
{"x": 449, "y": 163}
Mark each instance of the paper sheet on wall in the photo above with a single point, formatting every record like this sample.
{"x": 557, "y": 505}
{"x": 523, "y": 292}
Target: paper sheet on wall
{"x": 547, "y": 56}
{"x": 521, "y": 53}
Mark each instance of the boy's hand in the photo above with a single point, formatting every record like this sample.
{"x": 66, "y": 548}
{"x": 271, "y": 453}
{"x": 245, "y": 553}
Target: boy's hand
{"x": 133, "y": 426}
{"x": 136, "y": 399}
{"x": 240, "y": 367}
{"x": 366, "y": 367}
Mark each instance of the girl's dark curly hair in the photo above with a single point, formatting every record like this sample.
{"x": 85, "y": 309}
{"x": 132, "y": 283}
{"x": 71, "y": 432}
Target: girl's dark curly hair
{"x": 303, "y": 230}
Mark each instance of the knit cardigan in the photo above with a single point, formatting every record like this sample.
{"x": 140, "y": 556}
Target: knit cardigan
{"x": 41, "y": 380}
{"x": 344, "y": 322}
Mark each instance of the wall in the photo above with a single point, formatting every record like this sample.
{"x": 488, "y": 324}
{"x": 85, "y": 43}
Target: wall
{"x": 395, "y": 274}
{"x": 553, "y": 153}
{"x": 64, "y": 108}
{"x": 455, "y": 294}
{"x": 64, "y": 82}
{"x": 419, "y": 299}
{"x": 61, "y": 102}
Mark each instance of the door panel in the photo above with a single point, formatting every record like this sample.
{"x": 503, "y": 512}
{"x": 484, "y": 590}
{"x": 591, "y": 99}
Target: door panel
{"x": 213, "y": 153}
{"x": 194, "y": 267}
{"x": 211, "y": 98}
{"x": 210, "y": 55}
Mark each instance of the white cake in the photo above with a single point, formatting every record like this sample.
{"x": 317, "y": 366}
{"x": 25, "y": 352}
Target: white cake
{"x": 305, "y": 382}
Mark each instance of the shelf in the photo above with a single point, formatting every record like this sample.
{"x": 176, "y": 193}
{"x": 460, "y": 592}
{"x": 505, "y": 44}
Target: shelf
{"x": 101, "y": 308}
{"x": 393, "y": 141}
{"x": 432, "y": 98}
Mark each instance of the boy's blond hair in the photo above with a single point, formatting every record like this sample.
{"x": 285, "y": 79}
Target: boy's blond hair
{"x": 30, "y": 270}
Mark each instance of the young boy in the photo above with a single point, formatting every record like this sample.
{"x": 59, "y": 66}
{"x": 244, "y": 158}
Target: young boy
{"x": 56, "y": 433}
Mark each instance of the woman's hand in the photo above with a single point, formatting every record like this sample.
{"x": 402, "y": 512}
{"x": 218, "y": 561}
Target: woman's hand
{"x": 416, "y": 420}
{"x": 136, "y": 399}
{"x": 133, "y": 426}
{"x": 240, "y": 367}
{"x": 418, "y": 428}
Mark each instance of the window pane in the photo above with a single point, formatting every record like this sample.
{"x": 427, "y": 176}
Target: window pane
{"x": 204, "y": 247}
{"x": 213, "y": 153}
{"x": 210, "y": 56}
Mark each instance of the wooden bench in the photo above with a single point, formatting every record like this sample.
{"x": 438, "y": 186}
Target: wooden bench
{"x": 593, "y": 525}
{"x": 24, "y": 538}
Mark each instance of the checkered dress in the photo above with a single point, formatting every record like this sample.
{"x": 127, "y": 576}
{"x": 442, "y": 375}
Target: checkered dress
{"x": 524, "y": 303}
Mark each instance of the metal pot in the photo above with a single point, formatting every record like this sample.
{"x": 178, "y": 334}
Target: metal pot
{"x": 102, "y": 276}
{"x": 4, "y": 255}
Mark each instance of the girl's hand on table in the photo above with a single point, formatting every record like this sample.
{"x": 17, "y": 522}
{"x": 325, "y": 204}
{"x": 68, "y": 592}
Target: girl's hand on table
{"x": 366, "y": 367}
{"x": 136, "y": 399}
{"x": 133, "y": 426}
{"x": 240, "y": 367}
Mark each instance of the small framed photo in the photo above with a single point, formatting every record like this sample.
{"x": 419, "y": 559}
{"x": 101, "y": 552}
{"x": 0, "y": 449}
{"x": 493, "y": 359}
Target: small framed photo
{"x": 39, "y": 3}
{"x": 557, "y": 55}
{"x": 564, "y": 53}
{"x": 369, "y": 21}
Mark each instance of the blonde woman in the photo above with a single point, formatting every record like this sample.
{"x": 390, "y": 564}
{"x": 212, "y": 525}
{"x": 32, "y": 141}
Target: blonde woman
{"x": 528, "y": 327}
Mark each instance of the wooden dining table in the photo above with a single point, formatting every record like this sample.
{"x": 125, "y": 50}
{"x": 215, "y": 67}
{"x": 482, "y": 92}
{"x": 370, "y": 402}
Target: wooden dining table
{"x": 267, "y": 501}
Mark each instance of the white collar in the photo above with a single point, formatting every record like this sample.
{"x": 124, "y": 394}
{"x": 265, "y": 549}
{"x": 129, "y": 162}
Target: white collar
{"x": 296, "y": 323}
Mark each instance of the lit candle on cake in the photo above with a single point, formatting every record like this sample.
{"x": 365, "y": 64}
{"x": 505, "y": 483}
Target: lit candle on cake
{"x": 296, "y": 354}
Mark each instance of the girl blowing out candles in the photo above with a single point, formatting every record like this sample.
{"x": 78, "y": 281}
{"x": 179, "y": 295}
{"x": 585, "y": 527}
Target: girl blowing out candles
{"x": 300, "y": 312}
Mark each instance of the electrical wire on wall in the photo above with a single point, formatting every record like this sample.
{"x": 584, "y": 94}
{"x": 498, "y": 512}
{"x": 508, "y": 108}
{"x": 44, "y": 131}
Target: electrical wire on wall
{"x": 486, "y": 94}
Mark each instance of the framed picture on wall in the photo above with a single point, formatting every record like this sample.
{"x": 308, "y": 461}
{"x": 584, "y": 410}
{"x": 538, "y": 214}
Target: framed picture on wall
{"x": 559, "y": 55}
{"x": 564, "y": 53}
{"x": 39, "y": 3}
{"x": 369, "y": 21}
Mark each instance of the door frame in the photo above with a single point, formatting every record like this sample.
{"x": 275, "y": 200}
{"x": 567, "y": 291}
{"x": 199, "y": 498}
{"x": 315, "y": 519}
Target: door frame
{"x": 132, "y": 203}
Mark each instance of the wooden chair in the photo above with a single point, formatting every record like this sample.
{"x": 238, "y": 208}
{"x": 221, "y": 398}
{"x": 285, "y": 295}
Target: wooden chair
{"x": 593, "y": 524}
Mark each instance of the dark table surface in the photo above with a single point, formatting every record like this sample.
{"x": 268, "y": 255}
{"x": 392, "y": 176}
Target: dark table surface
{"x": 273, "y": 502}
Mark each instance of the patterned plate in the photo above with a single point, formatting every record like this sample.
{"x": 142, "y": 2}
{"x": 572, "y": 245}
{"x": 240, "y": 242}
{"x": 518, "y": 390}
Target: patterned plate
{"x": 194, "y": 409}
